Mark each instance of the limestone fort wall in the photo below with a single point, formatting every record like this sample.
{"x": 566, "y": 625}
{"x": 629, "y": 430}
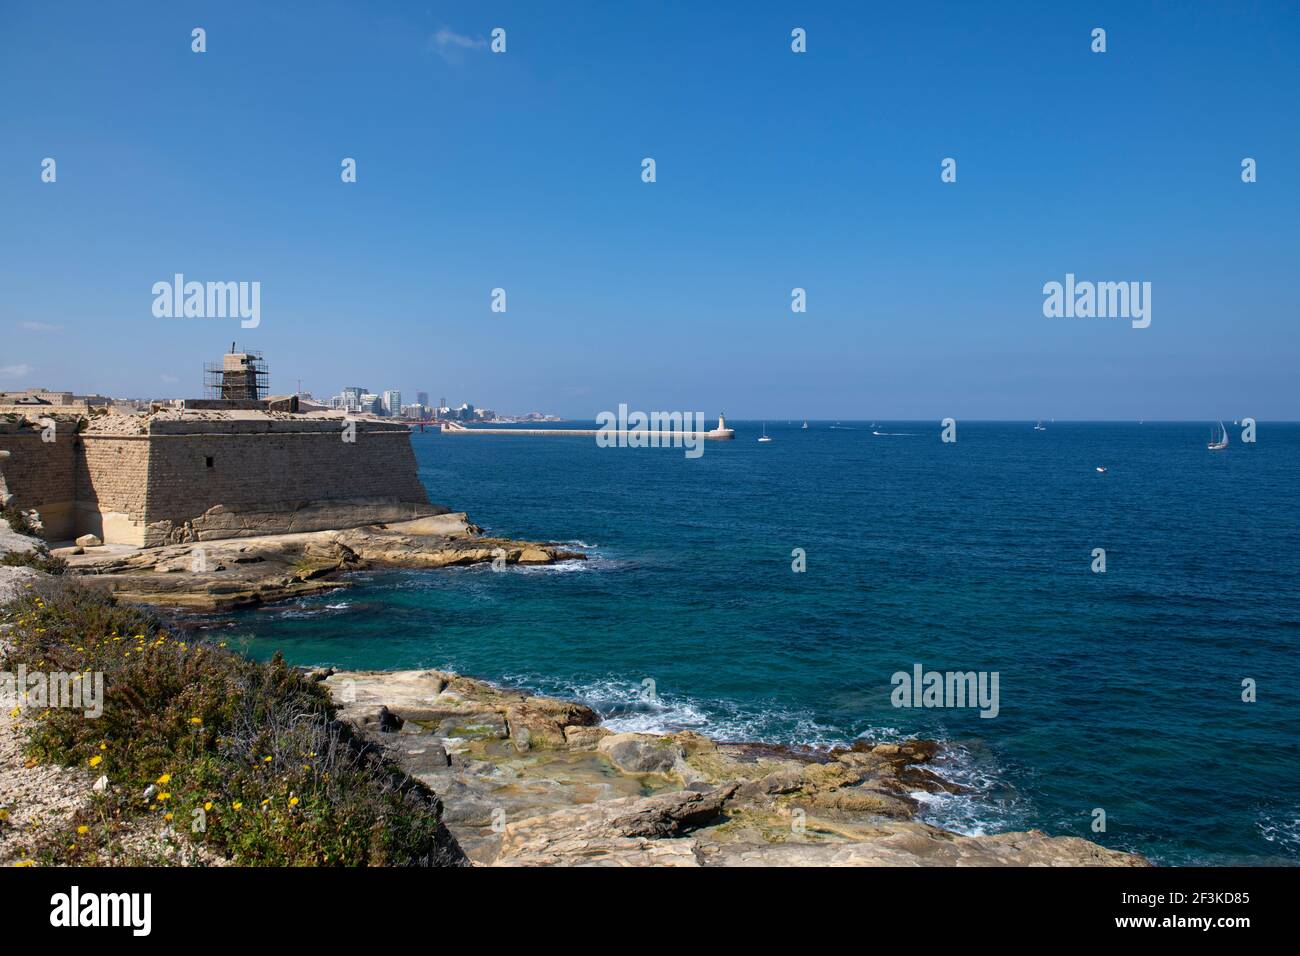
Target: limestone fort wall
{"x": 228, "y": 479}
{"x": 168, "y": 480}
{"x": 40, "y": 474}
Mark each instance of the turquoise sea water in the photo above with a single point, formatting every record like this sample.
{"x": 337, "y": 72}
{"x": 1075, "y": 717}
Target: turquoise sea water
{"x": 1119, "y": 691}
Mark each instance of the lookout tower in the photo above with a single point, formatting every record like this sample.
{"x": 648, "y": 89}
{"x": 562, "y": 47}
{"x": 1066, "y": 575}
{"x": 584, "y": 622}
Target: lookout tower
{"x": 240, "y": 376}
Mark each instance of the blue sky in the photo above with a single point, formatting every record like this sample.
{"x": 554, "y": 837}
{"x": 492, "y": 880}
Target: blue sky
{"x": 775, "y": 170}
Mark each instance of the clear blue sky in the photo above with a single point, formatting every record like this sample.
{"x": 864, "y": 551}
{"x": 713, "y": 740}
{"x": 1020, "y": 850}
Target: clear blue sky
{"x": 775, "y": 170}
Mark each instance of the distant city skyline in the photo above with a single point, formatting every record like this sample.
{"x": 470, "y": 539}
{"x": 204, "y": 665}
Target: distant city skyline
{"x": 775, "y": 171}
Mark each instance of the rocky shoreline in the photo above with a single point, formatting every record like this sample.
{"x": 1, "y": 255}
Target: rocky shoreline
{"x": 227, "y": 573}
{"x": 528, "y": 780}
{"x": 536, "y": 781}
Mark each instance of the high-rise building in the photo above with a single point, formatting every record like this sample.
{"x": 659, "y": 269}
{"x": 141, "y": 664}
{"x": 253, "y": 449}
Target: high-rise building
{"x": 393, "y": 402}
{"x": 422, "y": 398}
{"x": 351, "y": 397}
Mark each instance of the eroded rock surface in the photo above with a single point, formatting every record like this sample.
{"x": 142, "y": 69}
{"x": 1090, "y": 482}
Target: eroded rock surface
{"x": 535, "y": 781}
{"x": 238, "y": 572}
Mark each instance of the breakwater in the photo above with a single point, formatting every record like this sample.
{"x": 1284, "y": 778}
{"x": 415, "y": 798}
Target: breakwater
{"x": 664, "y": 436}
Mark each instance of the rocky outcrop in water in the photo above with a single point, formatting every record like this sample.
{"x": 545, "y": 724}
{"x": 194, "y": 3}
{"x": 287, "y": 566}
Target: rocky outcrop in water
{"x": 239, "y": 572}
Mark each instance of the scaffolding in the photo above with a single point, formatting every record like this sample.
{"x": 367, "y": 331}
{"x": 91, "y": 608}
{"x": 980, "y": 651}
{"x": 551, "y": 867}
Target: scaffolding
{"x": 241, "y": 375}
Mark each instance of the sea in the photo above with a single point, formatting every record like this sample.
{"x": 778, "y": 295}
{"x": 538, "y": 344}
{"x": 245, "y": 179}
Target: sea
{"x": 774, "y": 591}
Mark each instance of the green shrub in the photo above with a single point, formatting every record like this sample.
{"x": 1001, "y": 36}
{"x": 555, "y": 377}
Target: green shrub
{"x": 38, "y": 558}
{"x": 251, "y": 751}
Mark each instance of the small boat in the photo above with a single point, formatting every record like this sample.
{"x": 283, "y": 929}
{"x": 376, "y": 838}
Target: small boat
{"x": 805, "y": 424}
{"x": 1221, "y": 443}
{"x": 765, "y": 435}
{"x": 1101, "y": 470}
{"x": 1039, "y": 427}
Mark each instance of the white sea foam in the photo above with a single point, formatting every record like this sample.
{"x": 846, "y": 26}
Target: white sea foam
{"x": 988, "y": 806}
{"x": 1281, "y": 828}
{"x": 624, "y": 709}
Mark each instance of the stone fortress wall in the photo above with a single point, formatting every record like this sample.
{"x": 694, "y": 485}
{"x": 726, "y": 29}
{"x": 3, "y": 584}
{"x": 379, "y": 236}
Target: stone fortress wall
{"x": 164, "y": 478}
{"x": 35, "y": 473}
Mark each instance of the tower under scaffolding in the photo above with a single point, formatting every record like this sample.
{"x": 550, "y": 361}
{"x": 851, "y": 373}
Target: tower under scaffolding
{"x": 241, "y": 375}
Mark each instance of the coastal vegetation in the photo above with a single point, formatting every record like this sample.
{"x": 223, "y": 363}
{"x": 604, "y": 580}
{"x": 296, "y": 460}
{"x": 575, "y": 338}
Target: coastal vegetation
{"x": 205, "y": 756}
{"x": 38, "y": 557}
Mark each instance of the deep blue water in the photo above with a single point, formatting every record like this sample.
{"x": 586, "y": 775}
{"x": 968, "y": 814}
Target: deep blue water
{"x": 1119, "y": 691}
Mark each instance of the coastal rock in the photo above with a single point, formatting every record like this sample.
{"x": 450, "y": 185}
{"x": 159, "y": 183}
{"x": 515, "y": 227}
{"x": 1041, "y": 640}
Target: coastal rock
{"x": 584, "y": 738}
{"x": 482, "y": 724}
{"x": 624, "y": 832}
{"x": 915, "y": 844}
{"x": 561, "y": 790}
{"x": 89, "y": 541}
{"x": 860, "y": 800}
{"x": 375, "y": 717}
{"x": 640, "y": 753}
{"x": 538, "y": 723}
{"x": 420, "y": 756}
{"x": 232, "y": 572}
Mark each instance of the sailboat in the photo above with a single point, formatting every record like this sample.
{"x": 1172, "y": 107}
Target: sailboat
{"x": 765, "y": 436}
{"x": 1222, "y": 443}
{"x": 1039, "y": 427}
{"x": 805, "y": 424}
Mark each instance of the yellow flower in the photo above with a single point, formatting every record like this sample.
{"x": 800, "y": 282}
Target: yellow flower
{"x": 15, "y": 712}
{"x": 238, "y": 805}
{"x": 196, "y": 720}
{"x": 208, "y": 806}
{"x": 164, "y": 796}
{"x": 83, "y": 829}
{"x": 96, "y": 760}
{"x": 266, "y": 760}
{"x": 167, "y": 816}
{"x": 165, "y": 778}
{"x": 293, "y": 801}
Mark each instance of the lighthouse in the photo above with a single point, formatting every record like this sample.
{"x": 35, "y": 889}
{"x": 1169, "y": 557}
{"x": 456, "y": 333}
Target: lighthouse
{"x": 722, "y": 431}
